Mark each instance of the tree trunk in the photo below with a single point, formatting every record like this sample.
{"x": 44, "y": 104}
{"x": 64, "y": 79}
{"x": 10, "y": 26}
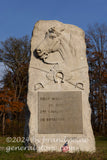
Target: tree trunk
{"x": 3, "y": 123}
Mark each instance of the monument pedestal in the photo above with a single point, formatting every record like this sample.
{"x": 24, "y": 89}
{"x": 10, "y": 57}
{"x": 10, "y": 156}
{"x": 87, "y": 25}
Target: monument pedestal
{"x": 55, "y": 142}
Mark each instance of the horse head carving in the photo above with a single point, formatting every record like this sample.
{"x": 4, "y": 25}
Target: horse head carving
{"x": 64, "y": 43}
{"x": 50, "y": 44}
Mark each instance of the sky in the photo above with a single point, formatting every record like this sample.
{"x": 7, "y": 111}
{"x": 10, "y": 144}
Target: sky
{"x": 18, "y": 17}
{"x": 2, "y": 70}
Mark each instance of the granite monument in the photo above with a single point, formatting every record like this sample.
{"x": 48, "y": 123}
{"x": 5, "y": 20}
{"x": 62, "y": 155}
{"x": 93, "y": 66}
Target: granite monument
{"x": 58, "y": 89}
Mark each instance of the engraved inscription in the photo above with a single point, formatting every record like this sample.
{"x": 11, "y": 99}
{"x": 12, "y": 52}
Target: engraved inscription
{"x": 60, "y": 112}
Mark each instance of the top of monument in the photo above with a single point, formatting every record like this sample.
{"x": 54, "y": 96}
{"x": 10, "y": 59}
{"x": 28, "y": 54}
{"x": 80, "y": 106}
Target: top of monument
{"x": 67, "y": 27}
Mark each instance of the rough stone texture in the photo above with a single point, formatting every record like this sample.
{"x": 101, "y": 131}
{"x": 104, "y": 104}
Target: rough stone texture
{"x": 58, "y": 64}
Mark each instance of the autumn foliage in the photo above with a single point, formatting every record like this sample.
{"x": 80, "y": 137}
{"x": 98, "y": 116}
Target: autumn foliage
{"x": 9, "y": 103}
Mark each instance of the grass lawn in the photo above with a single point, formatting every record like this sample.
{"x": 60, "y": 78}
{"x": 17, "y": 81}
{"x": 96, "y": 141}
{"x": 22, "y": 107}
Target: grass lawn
{"x": 101, "y": 153}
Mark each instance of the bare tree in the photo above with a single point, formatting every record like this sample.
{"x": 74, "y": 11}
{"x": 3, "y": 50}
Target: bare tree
{"x": 96, "y": 39}
{"x": 15, "y": 53}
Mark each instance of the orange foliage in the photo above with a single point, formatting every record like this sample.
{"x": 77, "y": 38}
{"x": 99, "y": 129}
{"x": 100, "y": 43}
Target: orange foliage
{"x": 9, "y": 103}
{"x": 8, "y": 121}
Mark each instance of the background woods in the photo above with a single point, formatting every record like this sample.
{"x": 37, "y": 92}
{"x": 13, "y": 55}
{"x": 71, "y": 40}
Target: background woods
{"x": 15, "y": 54}
{"x": 96, "y": 40}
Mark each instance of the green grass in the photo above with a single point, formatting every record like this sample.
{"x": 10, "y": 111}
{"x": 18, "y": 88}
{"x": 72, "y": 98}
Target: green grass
{"x": 100, "y": 154}
{"x": 101, "y": 145}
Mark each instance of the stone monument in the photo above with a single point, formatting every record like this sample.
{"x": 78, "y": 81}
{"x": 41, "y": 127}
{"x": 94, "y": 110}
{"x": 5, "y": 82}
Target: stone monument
{"x": 58, "y": 89}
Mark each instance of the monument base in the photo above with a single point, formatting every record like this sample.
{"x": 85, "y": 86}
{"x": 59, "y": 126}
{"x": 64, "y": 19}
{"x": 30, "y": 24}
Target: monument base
{"x": 59, "y": 118}
{"x": 54, "y": 143}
